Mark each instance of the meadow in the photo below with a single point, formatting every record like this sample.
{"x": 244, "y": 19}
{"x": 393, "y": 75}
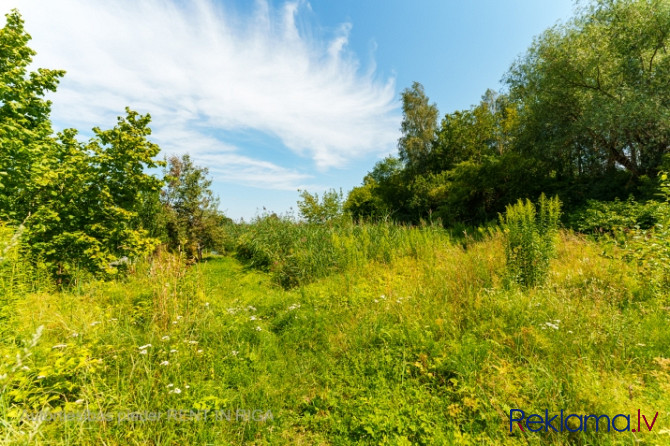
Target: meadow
{"x": 338, "y": 333}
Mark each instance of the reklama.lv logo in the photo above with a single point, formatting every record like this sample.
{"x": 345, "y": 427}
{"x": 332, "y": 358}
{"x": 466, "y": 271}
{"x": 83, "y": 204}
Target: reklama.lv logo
{"x": 538, "y": 423}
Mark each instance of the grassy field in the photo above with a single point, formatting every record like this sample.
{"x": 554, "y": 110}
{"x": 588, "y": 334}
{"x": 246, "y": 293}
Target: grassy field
{"x": 371, "y": 334}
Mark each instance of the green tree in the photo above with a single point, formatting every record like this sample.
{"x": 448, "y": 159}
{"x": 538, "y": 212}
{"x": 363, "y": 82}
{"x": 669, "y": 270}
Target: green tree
{"x": 193, "y": 220}
{"x": 593, "y": 94}
{"x": 25, "y": 128}
{"x": 418, "y": 128}
{"x": 315, "y": 210}
{"x": 88, "y": 203}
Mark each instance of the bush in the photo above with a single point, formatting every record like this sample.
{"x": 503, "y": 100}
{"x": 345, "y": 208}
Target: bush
{"x": 600, "y": 217}
{"x": 529, "y": 239}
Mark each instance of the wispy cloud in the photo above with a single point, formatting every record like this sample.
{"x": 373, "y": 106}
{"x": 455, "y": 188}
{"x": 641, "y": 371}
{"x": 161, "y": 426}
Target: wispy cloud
{"x": 202, "y": 70}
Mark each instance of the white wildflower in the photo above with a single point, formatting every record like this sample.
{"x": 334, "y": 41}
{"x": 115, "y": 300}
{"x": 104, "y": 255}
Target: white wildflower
{"x": 59, "y": 346}
{"x": 199, "y": 351}
{"x": 176, "y": 390}
{"x": 253, "y": 318}
{"x": 234, "y": 352}
{"x": 251, "y": 308}
{"x": 145, "y": 346}
{"x": 79, "y": 402}
{"x": 174, "y": 350}
{"x": 170, "y": 385}
{"x": 180, "y": 318}
{"x": 165, "y": 338}
{"x": 164, "y": 363}
{"x": 550, "y": 325}
{"x": 93, "y": 324}
{"x": 258, "y": 329}
{"x": 294, "y": 307}
{"x": 41, "y": 377}
{"x": 143, "y": 352}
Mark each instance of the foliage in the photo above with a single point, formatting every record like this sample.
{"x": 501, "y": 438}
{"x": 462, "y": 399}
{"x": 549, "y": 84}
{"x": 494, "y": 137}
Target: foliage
{"x": 599, "y": 217}
{"x": 193, "y": 221}
{"x": 530, "y": 235}
{"x": 25, "y": 128}
{"x": 315, "y": 210}
{"x": 87, "y": 208}
{"x": 591, "y": 92}
{"x": 299, "y": 253}
{"x": 418, "y": 128}
{"x": 649, "y": 247}
{"x": 422, "y": 348}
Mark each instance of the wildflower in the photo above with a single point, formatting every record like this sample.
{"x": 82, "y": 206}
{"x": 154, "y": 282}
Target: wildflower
{"x": 294, "y": 307}
{"x": 234, "y": 352}
{"x": 143, "y": 352}
{"x": 170, "y": 385}
{"x": 113, "y": 319}
{"x": 176, "y": 390}
{"x": 41, "y": 377}
{"x": 165, "y": 338}
{"x": 206, "y": 304}
{"x": 251, "y": 308}
{"x": 174, "y": 350}
{"x": 93, "y": 324}
{"x": 79, "y": 402}
{"x": 164, "y": 363}
{"x": 258, "y": 329}
{"x": 252, "y": 318}
{"x": 59, "y": 346}
{"x": 75, "y": 335}
{"x": 25, "y": 368}
{"x": 190, "y": 342}
{"x": 145, "y": 346}
{"x": 550, "y": 325}
{"x": 187, "y": 386}
{"x": 199, "y": 351}
{"x": 180, "y": 318}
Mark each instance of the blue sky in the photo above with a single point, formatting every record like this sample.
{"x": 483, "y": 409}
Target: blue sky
{"x": 273, "y": 96}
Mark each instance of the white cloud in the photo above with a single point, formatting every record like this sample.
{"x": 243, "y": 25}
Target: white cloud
{"x": 197, "y": 67}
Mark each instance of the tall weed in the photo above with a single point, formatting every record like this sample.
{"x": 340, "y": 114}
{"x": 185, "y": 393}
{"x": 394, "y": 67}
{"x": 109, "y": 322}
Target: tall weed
{"x": 530, "y": 238}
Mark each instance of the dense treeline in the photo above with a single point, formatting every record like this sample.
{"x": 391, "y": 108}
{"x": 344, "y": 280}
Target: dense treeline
{"x": 90, "y": 206}
{"x": 585, "y": 115}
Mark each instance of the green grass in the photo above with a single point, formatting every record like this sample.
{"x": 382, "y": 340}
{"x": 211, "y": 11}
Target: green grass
{"x": 402, "y": 337}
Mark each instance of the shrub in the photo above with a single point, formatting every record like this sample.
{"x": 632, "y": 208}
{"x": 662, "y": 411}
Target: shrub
{"x": 529, "y": 238}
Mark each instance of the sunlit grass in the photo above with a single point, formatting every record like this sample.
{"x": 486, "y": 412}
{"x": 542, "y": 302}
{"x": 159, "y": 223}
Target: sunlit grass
{"x": 426, "y": 345}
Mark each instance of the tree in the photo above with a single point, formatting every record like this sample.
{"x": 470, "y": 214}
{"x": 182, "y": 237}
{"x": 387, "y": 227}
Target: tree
{"x": 418, "y": 128}
{"x": 194, "y": 222}
{"x": 87, "y": 205}
{"x": 315, "y": 210}
{"x": 592, "y": 93}
{"x": 25, "y": 128}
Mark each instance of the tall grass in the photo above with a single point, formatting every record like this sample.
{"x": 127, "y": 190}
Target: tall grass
{"x": 394, "y": 335}
{"x": 530, "y": 235}
{"x": 296, "y": 253}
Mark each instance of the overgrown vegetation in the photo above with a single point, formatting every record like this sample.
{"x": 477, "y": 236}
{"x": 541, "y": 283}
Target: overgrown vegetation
{"x": 530, "y": 238}
{"x": 357, "y": 323}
